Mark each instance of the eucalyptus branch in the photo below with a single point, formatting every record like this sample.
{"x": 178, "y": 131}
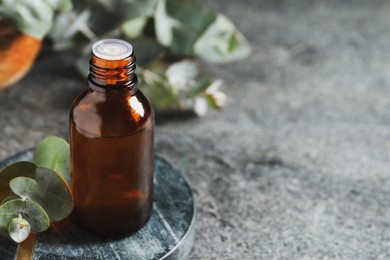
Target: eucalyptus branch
{"x": 168, "y": 36}
{"x": 32, "y": 195}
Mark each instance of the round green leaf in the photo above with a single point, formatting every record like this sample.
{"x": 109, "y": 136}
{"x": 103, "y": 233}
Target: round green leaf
{"x": 27, "y": 188}
{"x": 54, "y": 153}
{"x": 57, "y": 200}
{"x": 128, "y": 9}
{"x": 31, "y": 211}
{"x": 163, "y": 24}
{"x": 8, "y": 198}
{"x": 60, "y": 5}
{"x": 31, "y": 17}
{"x": 190, "y": 20}
{"x": 26, "y": 169}
{"x": 133, "y": 28}
{"x": 181, "y": 75}
{"x": 222, "y": 42}
{"x": 146, "y": 49}
{"x": 19, "y": 229}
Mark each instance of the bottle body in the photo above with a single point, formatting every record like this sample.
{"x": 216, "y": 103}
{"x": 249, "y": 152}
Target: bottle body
{"x": 111, "y": 138}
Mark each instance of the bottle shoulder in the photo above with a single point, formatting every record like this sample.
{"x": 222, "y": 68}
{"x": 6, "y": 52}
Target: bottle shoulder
{"x": 111, "y": 113}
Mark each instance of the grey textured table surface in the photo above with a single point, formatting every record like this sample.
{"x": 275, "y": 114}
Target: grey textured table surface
{"x": 297, "y": 165}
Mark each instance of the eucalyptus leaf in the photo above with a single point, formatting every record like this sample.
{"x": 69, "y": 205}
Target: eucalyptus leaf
{"x": 61, "y": 5}
{"x": 192, "y": 20}
{"x": 201, "y": 85}
{"x": 157, "y": 88}
{"x": 190, "y": 13}
{"x": 67, "y": 25}
{"x": 135, "y": 8}
{"x": 179, "y": 23}
{"x": 57, "y": 201}
{"x": 111, "y": 5}
{"x": 19, "y": 229}
{"x": 129, "y": 9}
{"x": 115, "y": 13}
{"x": 134, "y": 27}
{"x": 181, "y": 86}
{"x": 54, "y": 153}
{"x": 222, "y": 42}
{"x": 163, "y": 24}
{"x": 31, "y": 17}
{"x": 31, "y": 211}
{"x": 158, "y": 68}
{"x": 26, "y": 169}
{"x": 27, "y": 188}
{"x": 161, "y": 31}
{"x": 8, "y": 198}
{"x": 146, "y": 50}
{"x": 182, "y": 74}
{"x": 94, "y": 26}
{"x": 185, "y": 77}
{"x": 160, "y": 96}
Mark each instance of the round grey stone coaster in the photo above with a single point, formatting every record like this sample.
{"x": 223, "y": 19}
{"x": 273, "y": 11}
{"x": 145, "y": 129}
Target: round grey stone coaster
{"x": 169, "y": 234}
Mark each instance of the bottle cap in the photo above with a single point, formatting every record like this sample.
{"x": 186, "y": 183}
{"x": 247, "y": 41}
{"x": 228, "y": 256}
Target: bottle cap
{"x": 112, "y": 49}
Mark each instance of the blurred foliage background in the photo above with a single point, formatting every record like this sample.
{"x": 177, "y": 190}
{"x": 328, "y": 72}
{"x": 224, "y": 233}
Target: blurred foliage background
{"x": 172, "y": 40}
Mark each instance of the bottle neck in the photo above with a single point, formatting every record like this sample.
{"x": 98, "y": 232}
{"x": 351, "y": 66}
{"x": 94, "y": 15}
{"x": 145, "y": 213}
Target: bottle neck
{"x": 113, "y": 74}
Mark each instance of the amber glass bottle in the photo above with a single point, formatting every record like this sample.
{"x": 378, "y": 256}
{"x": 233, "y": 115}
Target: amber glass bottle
{"x": 111, "y": 139}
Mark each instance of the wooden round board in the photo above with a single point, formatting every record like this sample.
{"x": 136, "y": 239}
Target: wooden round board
{"x": 169, "y": 234}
